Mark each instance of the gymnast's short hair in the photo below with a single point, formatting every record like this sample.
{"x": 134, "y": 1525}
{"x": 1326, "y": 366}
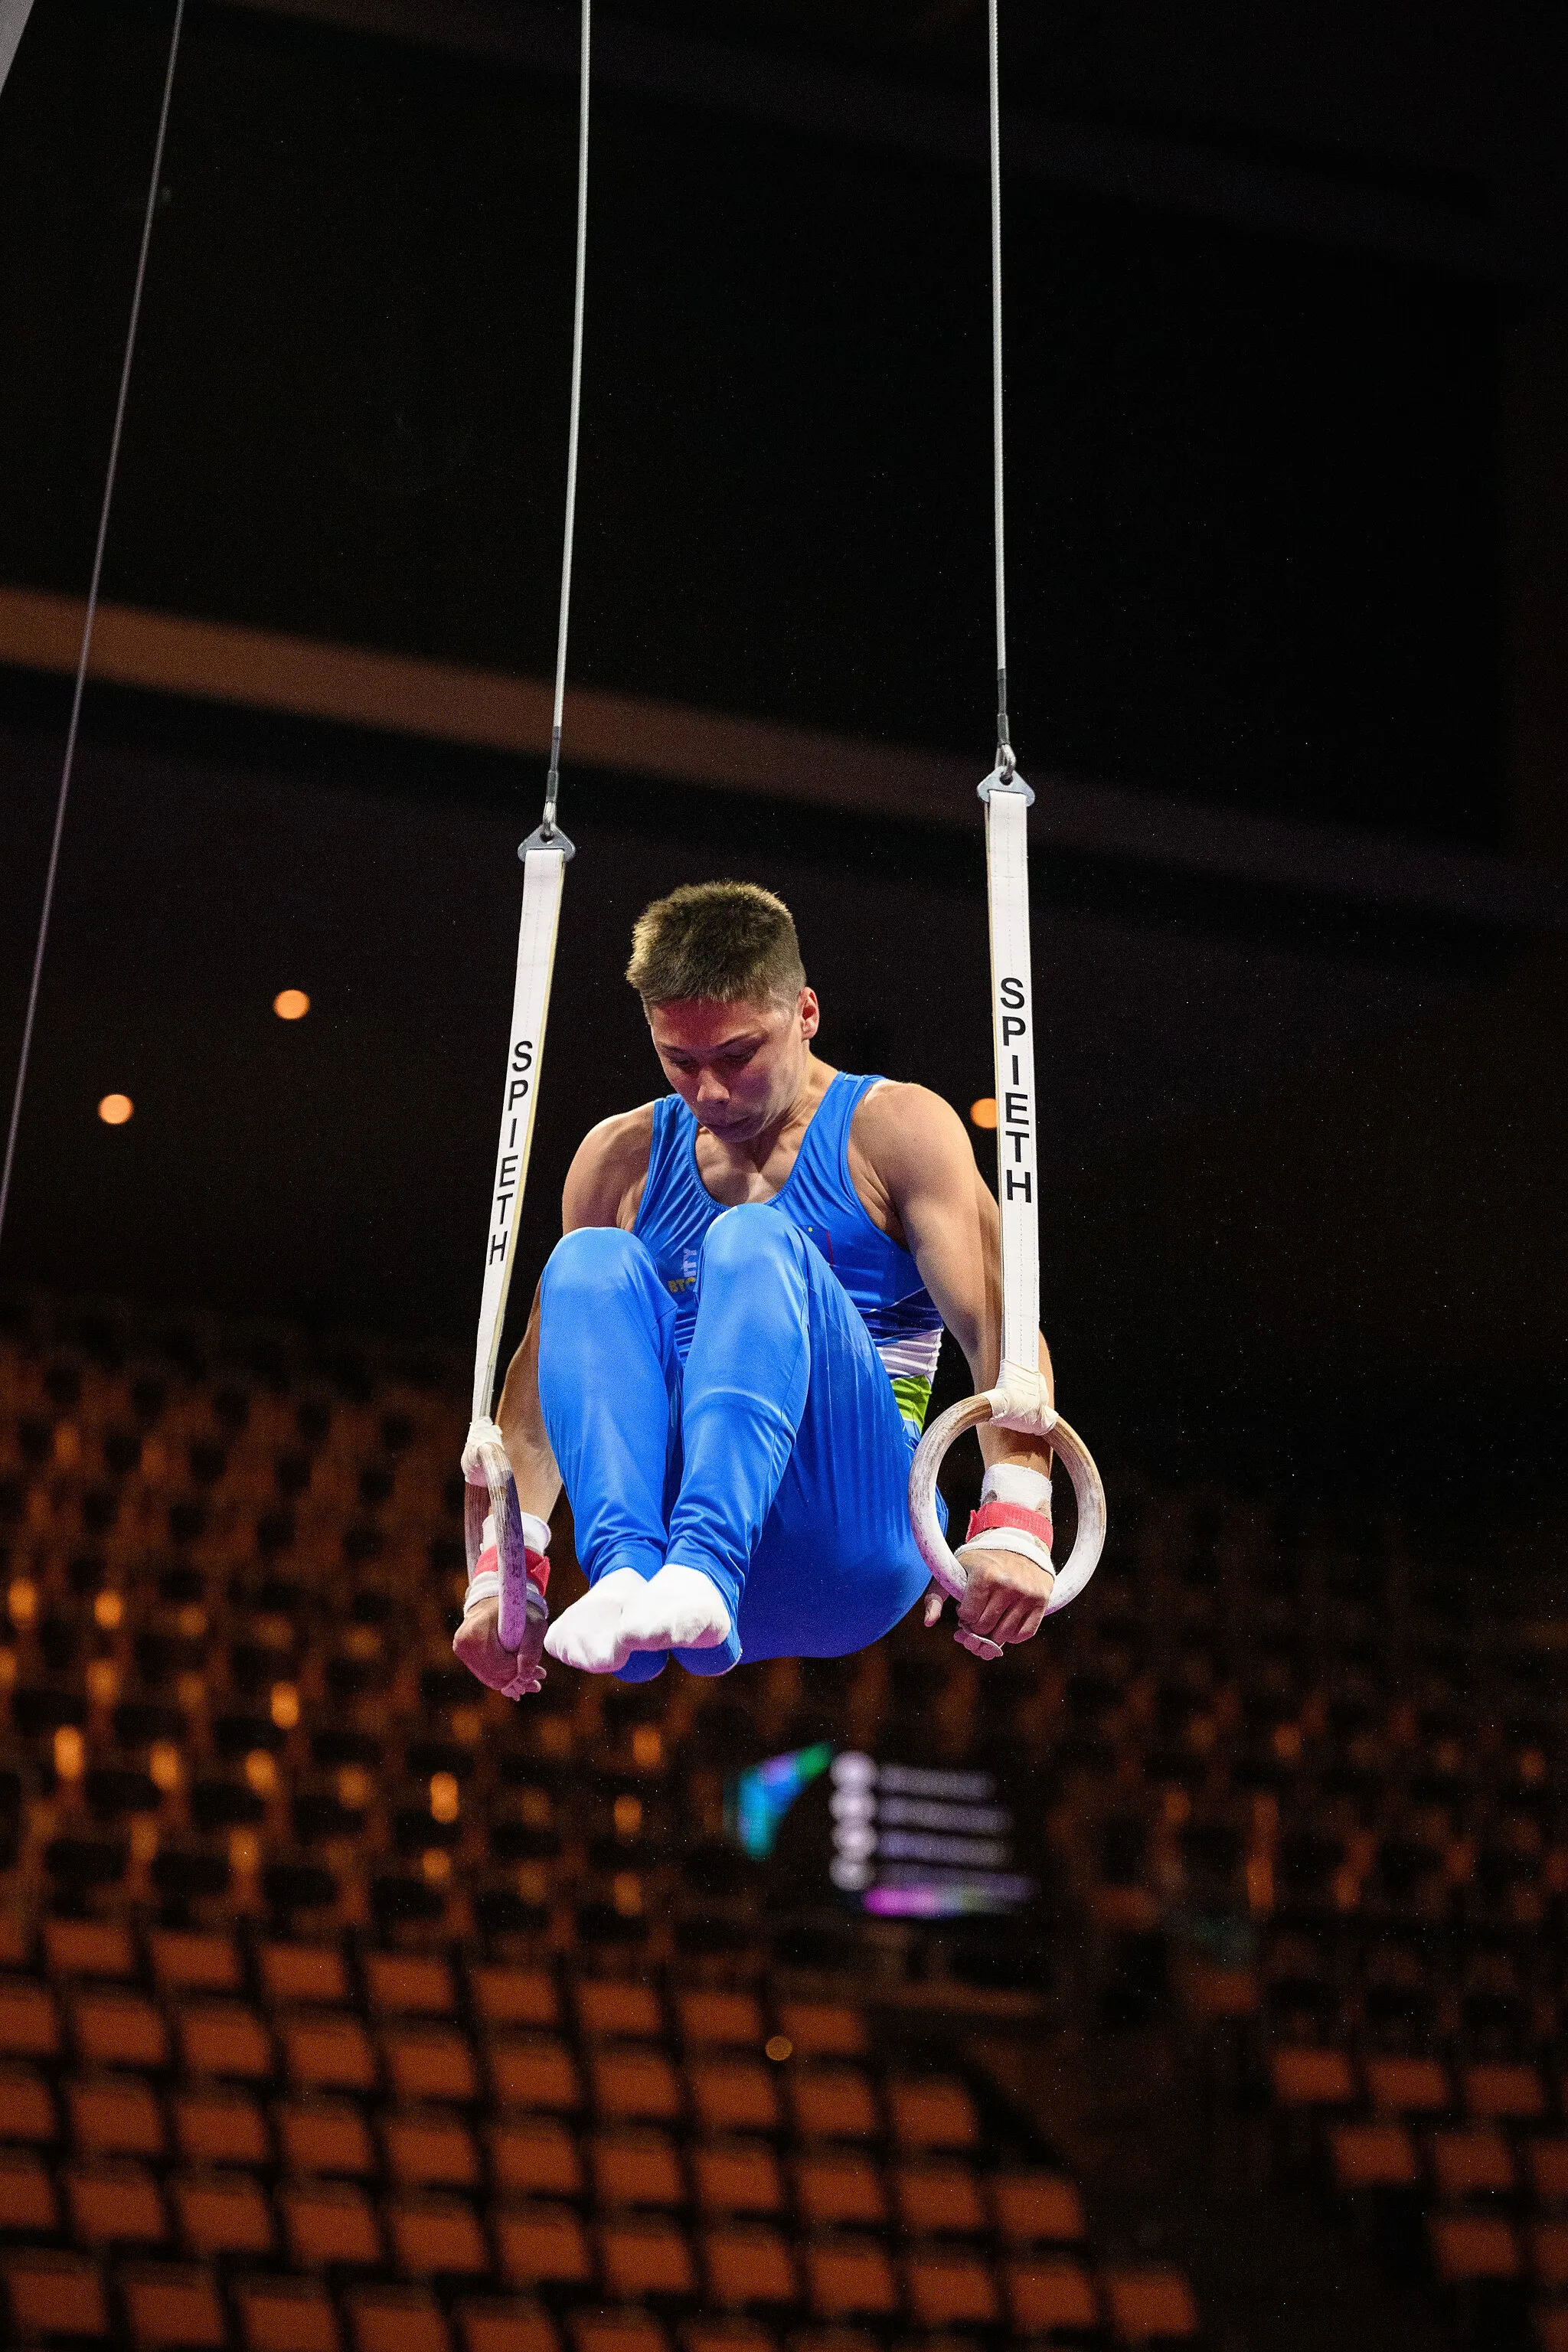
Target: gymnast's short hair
{"x": 732, "y": 943}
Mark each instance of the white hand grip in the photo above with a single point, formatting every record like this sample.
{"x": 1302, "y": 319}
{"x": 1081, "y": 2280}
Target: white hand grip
{"x": 949, "y": 1572}
{"x": 524, "y": 1613}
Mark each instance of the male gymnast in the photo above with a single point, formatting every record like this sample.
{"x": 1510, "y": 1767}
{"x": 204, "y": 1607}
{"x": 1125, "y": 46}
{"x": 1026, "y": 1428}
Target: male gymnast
{"x": 731, "y": 1349}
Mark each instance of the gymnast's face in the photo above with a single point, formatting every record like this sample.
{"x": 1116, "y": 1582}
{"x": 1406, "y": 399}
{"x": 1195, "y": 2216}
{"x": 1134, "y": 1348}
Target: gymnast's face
{"x": 739, "y": 1067}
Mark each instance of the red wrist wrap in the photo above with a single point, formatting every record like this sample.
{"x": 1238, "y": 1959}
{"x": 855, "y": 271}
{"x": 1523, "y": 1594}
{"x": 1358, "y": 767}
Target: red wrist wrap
{"x": 538, "y": 1565}
{"x": 1009, "y": 1515}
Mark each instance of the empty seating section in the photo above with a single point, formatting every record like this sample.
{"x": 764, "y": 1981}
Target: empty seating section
{"x": 1315, "y": 1799}
{"x": 345, "y": 2008}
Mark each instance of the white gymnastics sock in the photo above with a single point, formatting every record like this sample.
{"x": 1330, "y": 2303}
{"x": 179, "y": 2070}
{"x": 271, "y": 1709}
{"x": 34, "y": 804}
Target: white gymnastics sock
{"x": 588, "y": 1635}
{"x": 679, "y": 1609}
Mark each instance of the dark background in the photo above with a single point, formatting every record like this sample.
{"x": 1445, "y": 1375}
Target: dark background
{"x": 1287, "y": 407}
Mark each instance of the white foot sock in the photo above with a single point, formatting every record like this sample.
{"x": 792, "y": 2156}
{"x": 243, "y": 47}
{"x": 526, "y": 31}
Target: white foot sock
{"x": 679, "y": 1609}
{"x": 588, "y": 1635}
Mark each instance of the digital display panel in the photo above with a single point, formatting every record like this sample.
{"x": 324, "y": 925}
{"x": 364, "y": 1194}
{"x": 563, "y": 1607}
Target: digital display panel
{"x": 904, "y": 1841}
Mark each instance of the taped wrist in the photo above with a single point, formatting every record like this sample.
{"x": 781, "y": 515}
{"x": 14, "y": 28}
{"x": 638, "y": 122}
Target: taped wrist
{"x": 1015, "y": 1514}
{"x": 485, "y": 1582}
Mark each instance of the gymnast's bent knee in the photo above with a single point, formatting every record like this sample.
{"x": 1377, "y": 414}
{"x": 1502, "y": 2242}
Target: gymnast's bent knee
{"x": 748, "y": 1236}
{"x": 592, "y": 1262}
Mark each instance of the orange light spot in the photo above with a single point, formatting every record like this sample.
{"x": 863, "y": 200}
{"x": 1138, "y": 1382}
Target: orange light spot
{"x": 107, "y": 1610}
{"x": 115, "y": 1109}
{"x": 778, "y": 2047}
{"x": 290, "y": 1005}
{"x": 984, "y": 1112}
{"x": 285, "y": 1708}
{"x": 70, "y": 1752}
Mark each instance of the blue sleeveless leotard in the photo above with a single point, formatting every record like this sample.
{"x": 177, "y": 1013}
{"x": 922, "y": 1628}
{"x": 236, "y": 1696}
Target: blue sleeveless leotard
{"x": 882, "y": 1281}
{"x": 739, "y": 1390}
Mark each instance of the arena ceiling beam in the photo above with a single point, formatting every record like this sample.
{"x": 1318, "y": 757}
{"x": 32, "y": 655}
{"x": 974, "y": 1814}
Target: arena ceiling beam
{"x": 876, "y": 111}
{"x": 395, "y": 694}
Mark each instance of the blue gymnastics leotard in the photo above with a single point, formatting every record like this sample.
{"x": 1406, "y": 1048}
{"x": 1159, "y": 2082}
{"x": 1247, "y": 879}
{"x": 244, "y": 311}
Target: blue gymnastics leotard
{"x": 740, "y": 1390}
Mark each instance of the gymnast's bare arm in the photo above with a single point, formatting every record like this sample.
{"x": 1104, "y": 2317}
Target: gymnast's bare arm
{"x": 604, "y": 1186}
{"x": 913, "y": 1166}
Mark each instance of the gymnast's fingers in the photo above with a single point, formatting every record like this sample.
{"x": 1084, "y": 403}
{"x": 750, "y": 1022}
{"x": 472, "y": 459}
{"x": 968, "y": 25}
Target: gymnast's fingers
{"x": 476, "y": 1643}
{"x": 933, "y": 1601}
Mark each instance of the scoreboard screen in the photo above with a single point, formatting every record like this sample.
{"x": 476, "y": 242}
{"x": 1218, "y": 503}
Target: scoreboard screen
{"x": 902, "y": 1841}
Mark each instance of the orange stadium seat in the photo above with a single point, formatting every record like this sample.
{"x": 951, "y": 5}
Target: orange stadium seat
{"x": 279, "y": 2314}
{"x": 635, "y": 2167}
{"x": 834, "y": 2103}
{"x": 1050, "y": 2295}
{"x": 409, "y": 1985}
{"x": 119, "y": 2029}
{"x": 1037, "y": 2208}
{"x": 26, "y": 2193}
{"x": 533, "y": 2070}
{"x": 737, "y": 2177}
{"x": 1471, "y": 2163}
{"x": 938, "y": 2112}
{"x": 114, "y": 2116}
{"x": 513, "y": 2324}
{"x": 645, "y": 2254}
{"x": 541, "y": 2243}
{"x": 1504, "y": 2093}
{"x": 430, "y": 2151}
{"x": 745, "y": 2264}
{"x": 821, "y": 2029}
{"x": 1372, "y": 2156}
{"x": 617, "y": 2331}
{"x": 1548, "y": 2160}
{"x": 734, "y": 2093}
{"x": 515, "y": 1997}
{"x": 53, "y": 2294}
{"x": 937, "y": 2200}
{"x": 732, "y": 2019}
{"x": 114, "y": 2203}
{"x": 395, "y": 2319}
{"x": 431, "y": 2234}
{"x": 430, "y": 2062}
{"x": 1409, "y": 2086}
{"x": 221, "y": 2213}
{"x": 614, "y": 2010}
{"x": 218, "y": 2125}
{"x": 832, "y": 2190}
{"x": 1549, "y": 2255}
{"x": 224, "y": 2038}
{"x": 329, "y": 2221}
{"x": 327, "y": 2050}
{"x": 1469, "y": 2246}
{"x": 187, "y": 1960}
{"x": 304, "y": 1972}
{"x": 1154, "y": 2303}
{"x": 534, "y": 2156}
{"x": 178, "y": 2308}
{"x": 27, "y": 2106}
{"x": 324, "y": 2135}
{"x": 949, "y": 2287}
{"x": 29, "y": 2021}
{"x": 89, "y": 1948}
{"x": 1312, "y": 2078}
{"x": 731, "y": 2334}
{"x": 849, "y": 2277}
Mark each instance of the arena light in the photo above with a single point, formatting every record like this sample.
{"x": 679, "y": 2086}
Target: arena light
{"x": 290, "y": 1005}
{"x": 115, "y": 1109}
{"x": 984, "y": 1112}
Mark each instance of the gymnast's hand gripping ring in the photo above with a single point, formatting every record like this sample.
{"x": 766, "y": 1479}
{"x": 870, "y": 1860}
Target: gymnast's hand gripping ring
{"x": 1087, "y": 1544}
{"x": 524, "y": 1611}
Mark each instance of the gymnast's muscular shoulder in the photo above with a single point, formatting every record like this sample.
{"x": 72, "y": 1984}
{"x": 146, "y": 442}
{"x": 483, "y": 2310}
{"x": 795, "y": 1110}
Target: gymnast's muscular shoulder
{"x": 910, "y": 1153}
{"x": 605, "y": 1183}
